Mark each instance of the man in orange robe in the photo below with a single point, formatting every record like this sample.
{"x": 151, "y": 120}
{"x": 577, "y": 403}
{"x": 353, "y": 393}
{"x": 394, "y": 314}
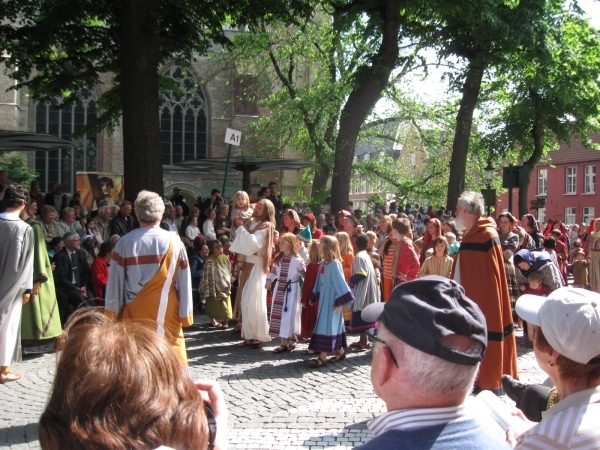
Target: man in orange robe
{"x": 479, "y": 268}
{"x": 149, "y": 278}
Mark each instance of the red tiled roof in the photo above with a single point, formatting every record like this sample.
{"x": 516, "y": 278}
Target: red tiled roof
{"x": 576, "y": 153}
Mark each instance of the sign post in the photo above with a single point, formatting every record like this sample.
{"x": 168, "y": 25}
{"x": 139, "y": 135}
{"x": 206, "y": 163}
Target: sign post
{"x": 232, "y": 137}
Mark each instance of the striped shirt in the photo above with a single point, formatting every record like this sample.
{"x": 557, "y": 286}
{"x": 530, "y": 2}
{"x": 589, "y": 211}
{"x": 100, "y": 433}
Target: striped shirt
{"x": 435, "y": 266}
{"x": 405, "y": 419}
{"x": 570, "y": 424}
{"x": 388, "y": 261}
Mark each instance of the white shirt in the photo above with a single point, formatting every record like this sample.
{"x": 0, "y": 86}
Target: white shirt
{"x": 570, "y": 424}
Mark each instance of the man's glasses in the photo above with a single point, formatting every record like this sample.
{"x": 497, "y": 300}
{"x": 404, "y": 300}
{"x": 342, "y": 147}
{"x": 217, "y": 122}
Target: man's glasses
{"x": 371, "y": 334}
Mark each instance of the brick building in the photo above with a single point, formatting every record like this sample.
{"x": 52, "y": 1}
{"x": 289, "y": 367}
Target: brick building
{"x": 192, "y": 126}
{"x": 568, "y": 183}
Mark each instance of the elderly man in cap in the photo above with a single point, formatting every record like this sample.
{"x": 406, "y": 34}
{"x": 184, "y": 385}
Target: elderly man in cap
{"x": 429, "y": 345}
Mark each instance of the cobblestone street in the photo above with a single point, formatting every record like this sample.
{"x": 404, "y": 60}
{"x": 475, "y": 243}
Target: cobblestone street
{"x": 275, "y": 401}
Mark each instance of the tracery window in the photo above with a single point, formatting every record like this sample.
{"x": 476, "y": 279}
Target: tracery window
{"x": 60, "y": 166}
{"x": 183, "y": 119}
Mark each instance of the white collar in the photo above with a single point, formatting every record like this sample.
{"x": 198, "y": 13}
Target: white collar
{"x": 10, "y": 215}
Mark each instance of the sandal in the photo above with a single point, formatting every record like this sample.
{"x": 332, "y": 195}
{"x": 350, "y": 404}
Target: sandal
{"x": 307, "y": 352}
{"x": 317, "y": 362}
{"x": 337, "y": 358}
{"x": 281, "y": 349}
{"x": 254, "y": 343}
{"x": 8, "y": 376}
{"x": 358, "y": 347}
{"x": 291, "y": 347}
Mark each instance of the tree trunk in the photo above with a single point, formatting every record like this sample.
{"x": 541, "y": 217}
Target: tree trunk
{"x": 320, "y": 179}
{"x": 369, "y": 83}
{"x": 139, "y": 60}
{"x": 462, "y": 134}
{"x": 538, "y": 150}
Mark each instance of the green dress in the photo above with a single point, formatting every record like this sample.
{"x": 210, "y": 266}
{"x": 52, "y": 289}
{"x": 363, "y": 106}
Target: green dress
{"x": 215, "y": 287}
{"x": 40, "y": 317}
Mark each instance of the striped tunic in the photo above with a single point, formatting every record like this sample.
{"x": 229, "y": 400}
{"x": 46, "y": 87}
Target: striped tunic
{"x": 137, "y": 258}
{"x": 285, "y": 309}
{"x": 570, "y": 424}
{"x": 435, "y": 266}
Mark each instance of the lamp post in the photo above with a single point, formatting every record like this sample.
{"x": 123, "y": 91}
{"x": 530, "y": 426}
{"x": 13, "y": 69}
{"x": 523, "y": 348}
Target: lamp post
{"x": 489, "y": 194}
{"x": 489, "y": 174}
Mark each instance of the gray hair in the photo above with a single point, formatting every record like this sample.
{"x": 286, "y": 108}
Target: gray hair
{"x": 149, "y": 207}
{"x": 47, "y": 209}
{"x": 114, "y": 208}
{"x": 473, "y": 201}
{"x": 428, "y": 373}
{"x": 69, "y": 236}
{"x": 102, "y": 209}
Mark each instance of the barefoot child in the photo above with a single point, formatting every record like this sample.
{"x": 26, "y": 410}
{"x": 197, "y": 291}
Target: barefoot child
{"x": 332, "y": 293}
{"x": 287, "y": 269}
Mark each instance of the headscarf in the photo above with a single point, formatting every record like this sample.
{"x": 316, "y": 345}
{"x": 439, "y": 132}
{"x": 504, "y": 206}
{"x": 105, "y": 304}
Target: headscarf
{"x": 536, "y": 261}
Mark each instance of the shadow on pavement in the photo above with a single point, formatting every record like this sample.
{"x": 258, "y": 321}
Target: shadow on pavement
{"x": 18, "y": 435}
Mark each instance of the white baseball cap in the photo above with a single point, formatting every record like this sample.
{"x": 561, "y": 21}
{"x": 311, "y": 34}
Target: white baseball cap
{"x": 570, "y": 320}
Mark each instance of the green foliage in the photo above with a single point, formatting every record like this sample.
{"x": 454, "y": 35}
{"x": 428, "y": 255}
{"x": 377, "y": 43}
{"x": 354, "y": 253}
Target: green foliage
{"x": 17, "y": 168}
{"x": 304, "y": 74}
{"x": 375, "y": 200}
{"x": 556, "y": 83}
{"x": 62, "y": 48}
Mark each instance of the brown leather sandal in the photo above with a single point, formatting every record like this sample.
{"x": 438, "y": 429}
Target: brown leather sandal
{"x": 318, "y": 362}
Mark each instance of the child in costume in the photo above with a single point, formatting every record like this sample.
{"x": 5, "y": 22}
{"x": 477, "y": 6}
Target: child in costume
{"x": 332, "y": 293}
{"x": 347, "y": 254}
{"x": 215, "y": 286}
{"x": 308, "y": 317}
{"x": 440, "y": 263}
{"x": 287, "y": 270}
{"x": 579, "y": 269}
{"x": 363, "y": 283}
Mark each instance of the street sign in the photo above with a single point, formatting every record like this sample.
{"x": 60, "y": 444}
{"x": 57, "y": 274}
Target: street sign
{"x": 233, "y": 137}
{"x": 510, "y": 177}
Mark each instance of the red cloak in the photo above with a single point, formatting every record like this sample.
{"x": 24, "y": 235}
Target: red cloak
{"x": 484, "y": 280}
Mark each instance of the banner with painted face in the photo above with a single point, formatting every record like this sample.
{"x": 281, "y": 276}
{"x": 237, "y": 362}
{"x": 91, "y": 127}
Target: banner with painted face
{"x": 97, "y": 186}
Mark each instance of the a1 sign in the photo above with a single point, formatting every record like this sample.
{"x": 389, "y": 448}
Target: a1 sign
{"x": 233, "y": 137}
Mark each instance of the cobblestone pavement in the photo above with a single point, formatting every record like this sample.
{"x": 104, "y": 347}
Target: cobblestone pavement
{"x": 275, "y": 401}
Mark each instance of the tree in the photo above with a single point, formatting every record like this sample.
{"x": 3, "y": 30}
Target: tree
{"x": 62, "y": 47}
{"x": 327, "y": 74}
{"x": 17, "y": 168}
{"x": 480, "y": 34}
{"x": 415, "y": 127}
{"x": 548, "y": 95}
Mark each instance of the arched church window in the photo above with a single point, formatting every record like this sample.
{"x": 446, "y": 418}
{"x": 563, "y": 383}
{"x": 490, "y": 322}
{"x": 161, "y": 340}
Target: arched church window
{"x": 183, "y": 119}
{"x": 60, "y": 166}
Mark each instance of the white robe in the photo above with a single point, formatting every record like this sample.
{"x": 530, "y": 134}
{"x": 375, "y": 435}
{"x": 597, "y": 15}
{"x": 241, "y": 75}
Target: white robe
{"x": 16, "y": 277}
{"x": 253, "y": 302}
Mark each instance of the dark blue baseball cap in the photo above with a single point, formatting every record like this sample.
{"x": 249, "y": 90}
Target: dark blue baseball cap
{"x": 422, "y": 312}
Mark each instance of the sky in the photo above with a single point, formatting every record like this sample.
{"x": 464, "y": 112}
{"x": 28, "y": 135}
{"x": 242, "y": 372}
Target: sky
{"x": 434, "y": 87}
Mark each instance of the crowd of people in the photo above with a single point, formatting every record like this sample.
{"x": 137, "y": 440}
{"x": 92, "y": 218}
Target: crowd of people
{"x": 282, "y": 271}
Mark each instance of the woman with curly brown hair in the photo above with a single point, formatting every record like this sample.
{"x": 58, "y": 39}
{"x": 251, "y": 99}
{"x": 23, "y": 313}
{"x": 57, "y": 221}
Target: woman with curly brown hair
{"x": 119, "y": 385}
